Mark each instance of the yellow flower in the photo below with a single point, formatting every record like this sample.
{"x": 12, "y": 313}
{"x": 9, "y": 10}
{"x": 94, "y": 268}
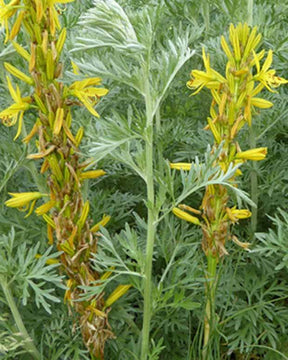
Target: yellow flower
{"x": 265, "y": 76}
{"x": 261, "y": 103}
{"x": 253, "y": 154}
{"x": 88, "y": 94}
{"x": 236, "y": 214}
{"x": 6, "y": 12}
{"x": 183, "y": 215}
{"x": 211, "y": 78}
{"x": 22, "y": 201}
{"x": 93, "y": 174}
{"x": 15, "y": 112}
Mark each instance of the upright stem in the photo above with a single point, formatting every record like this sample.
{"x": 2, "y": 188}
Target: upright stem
{"x": 250, "y": 12}
{"x": 210, "y": 301}
{"x": 28, "y": 343}
{"x": 150, "y": 228}
{"x": 252, "y": 143}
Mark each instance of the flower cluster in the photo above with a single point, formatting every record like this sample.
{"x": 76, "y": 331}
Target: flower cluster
{"x": 235, "y": 98}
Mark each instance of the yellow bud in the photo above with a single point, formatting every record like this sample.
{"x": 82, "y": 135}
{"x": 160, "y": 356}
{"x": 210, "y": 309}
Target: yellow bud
{"x": 180, "y": 166}
{"x": 261, "y": 103}
{"x": 84, "y": 215}
{"x": 252, "y": 154}
{"x": 116, "y": 294}
{"x": 184, "y": 216}
{"x": 50, "y": 65}
{"x": 103, "y": 222}
{"x": 79, "y": 136}
{"x": 214, "y": 131}
{"x": 16, "y": 27}
{"x": 43, "y": 209}
{"x": 21, "y": 51}
{"x": 92, "y": 174}
{"x": 19, "y": 74}
{"x": 58, "y": 121}
{"x": 61, "y": 41}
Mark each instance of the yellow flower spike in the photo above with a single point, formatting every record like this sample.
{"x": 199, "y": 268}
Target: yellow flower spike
{"x": 180, "y": 166}
{"x": 184, "y": 216}
{"x": 103, "y": 222}
{"x": 58, "y": 121}
{"x": 43, "y": 209}
{"x": 19, "y": 74}
{"x": 84, "y": 215}
{"x": 116, "y": 294}
{"x": 19, "y": 200}
{"x": 252, "y": 154}
{"x": 21, "y": 51}
{"x": 261, "y": 103}
{"x": 214, "y": 131}
{"x": 49, "y": 221}
{"x": 93, "y": 174}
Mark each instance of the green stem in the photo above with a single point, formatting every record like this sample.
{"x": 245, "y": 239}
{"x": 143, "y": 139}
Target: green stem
{"x": 250, "y": 12}
{"x": 210, "y": 301}
{"x": 150, "y": 227}
{"x": 28, "y": 343}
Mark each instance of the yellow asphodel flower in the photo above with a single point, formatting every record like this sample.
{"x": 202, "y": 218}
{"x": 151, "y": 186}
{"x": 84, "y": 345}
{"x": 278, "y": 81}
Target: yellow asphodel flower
{"x": 7, "y": 11}
{"x": 15, "y": 112}
{"x": 211, "y": 78}
{"x": 252, "y": 154}
{"x": 235, "y": 214}
{"x": 268, "y": 77}
{"x": 22, "y": 200}
{"x": 89, "y": 95}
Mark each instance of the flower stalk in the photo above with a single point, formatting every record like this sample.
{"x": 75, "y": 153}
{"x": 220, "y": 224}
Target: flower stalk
{"x": 69, "y": 225}
{"x": 234, "y": 102}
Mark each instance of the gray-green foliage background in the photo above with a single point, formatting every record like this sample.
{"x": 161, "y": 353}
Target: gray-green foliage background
{"x": 252, "y": 295}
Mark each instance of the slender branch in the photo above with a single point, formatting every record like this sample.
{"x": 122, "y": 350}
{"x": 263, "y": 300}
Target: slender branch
{"x": 28, "y": 343}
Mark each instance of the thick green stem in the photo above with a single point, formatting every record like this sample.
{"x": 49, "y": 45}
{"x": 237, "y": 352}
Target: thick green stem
{"x": 250, "y": 12}
{"x": 150, "y": 228}
{"x": 210, "y": 302}
{"x": 28, "y": 343}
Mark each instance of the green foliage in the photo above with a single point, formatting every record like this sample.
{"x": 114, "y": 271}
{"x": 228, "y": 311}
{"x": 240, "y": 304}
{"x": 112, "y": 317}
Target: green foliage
{"x": 112, "y": 39}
